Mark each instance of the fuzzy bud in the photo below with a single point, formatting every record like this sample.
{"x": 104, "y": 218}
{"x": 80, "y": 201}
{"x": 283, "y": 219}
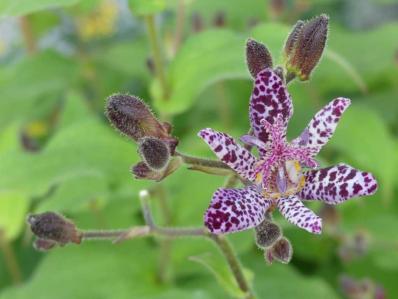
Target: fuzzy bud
{"x": 305, "y": 45}
{"x": 154, "y": 152}
{"x": 53, "y": 227}
{"x": 257, "y": 57}
{"x": 132, "y": 117}
{"x": 44, "y": 245}
{"x": 267, "y": 233}
{"x": 280, "y": 251}
{"x": 142, "y": 171}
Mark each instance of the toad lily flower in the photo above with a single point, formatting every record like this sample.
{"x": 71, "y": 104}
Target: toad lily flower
{"x": 277, "y": 177}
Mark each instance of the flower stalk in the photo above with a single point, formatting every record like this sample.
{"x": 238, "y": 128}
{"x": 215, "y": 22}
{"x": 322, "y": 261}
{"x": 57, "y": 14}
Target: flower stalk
{"x": 157, "y": 56}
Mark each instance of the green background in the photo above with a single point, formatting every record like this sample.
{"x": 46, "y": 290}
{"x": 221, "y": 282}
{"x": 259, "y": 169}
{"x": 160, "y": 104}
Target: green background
{"x": 59, "y": 60}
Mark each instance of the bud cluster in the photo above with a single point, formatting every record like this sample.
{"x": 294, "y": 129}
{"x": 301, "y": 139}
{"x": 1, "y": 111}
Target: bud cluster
{"x": 302, "y": 51}
{"x": 304, "y": 46}
{"x": 52, "y": 229}
{"x": 132, "y": 117}
{"x": 269, "y": 237}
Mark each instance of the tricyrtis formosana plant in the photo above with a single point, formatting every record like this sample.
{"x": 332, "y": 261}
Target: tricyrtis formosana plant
{"x": 282, "y": 176}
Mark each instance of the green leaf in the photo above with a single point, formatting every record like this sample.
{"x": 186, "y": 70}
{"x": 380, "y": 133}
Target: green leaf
{"x": 222, "y": 273}
{"x": 204, "y": 59}
{"x": 14, "y": 8}
{"x": 75, "y": 109}
{"x": 365, "y": 139}
{"x": 22, "y": 84}
{"x": 13, "y": 209}
{"x": 281, "y": 281}
{"x": 76, "y": 194}
{"x": 85, "y": 148}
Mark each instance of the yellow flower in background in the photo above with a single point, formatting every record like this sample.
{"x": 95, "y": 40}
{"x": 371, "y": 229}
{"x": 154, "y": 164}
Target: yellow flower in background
{"x": 99, "y": 23}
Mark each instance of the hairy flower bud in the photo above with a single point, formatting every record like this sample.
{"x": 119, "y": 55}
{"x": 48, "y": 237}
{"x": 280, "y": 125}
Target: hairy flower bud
{"x": 305, "y": 45}
{"x": 43, "y": 244}
{"x": 142, "y": 171}
{"x": 54, "y": 227}
{"x": 154, "y": 152}
{"x": 280, "y": 251}
{"x": 267, "y": 233}
{"x": 257, "y": 57}
{"x": 292, "y": 38}
{"x": 132, "y": 117}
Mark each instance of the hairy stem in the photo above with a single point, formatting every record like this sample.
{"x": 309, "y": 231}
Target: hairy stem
{"x": 10, "y": 259}
{"x": 201, "y": 161}
{"x": 234, "y": 264}
{"x": 157, "y": 56}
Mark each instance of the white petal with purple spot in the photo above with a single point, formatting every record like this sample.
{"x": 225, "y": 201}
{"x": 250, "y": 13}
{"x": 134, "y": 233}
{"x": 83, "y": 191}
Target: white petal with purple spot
{"x": 231, "y": 153}
{"x": 295, "y": 212}
{"x": 337, "y": 184}
{"x": 269, "y": 98}
{"x": 234, "y": 210}
{"x": 322, "y": 126}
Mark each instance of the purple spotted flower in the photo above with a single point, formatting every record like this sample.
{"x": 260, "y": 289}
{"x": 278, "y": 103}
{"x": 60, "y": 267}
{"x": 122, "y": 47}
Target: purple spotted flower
{"x": 285, "y": 173}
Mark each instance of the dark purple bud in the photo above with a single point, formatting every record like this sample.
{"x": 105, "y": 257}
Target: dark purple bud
{"x": 132, "y": 117}
{"x": 43, "y": 244}
{"x": 197, "y": 22}
{"x": 305, "y": 45}
{"x": 54, "y": 227}
{"x": 267, "y": 233}
{"x": 282, "y": 251}
{"x": 219, "y": 19}
{"x": 154, "y": 152}
{"x": 142, "y": 171}
{"x": 257, "y": 57}
{"x": 292, "y": 38}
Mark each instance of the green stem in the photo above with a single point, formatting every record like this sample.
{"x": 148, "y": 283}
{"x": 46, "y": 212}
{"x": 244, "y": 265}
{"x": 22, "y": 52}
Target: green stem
{"x": 234, "y": 264}
{"x": 157, "y": 56}
{"x": 201, "y": 161}
{"x": 10, "y": 259}
{"x": 27, "y": 34}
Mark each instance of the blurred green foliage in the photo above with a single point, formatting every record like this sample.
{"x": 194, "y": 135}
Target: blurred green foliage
{"x": 59, "y": 60}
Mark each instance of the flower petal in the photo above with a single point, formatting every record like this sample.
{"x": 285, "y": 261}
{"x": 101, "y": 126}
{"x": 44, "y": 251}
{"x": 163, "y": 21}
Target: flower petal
{"x": 323, "y": 124}
{"x": 269, "y": 98}
{"x": 233, "y": 210}
{"x": 231, "y": 153}
{"x": 337, "y": 184}
{"x": 295, "y": 212}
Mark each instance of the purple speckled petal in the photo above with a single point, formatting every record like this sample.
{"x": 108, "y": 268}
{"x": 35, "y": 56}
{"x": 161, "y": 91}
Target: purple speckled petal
{"x": 234, "y": 210}
{"x": 295, "y": 212}
{"x": 269, "y": 98}
{"x": 323, "y": 124}
{"x": 336, "y": 184}
{"x": 231, "y": 153}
